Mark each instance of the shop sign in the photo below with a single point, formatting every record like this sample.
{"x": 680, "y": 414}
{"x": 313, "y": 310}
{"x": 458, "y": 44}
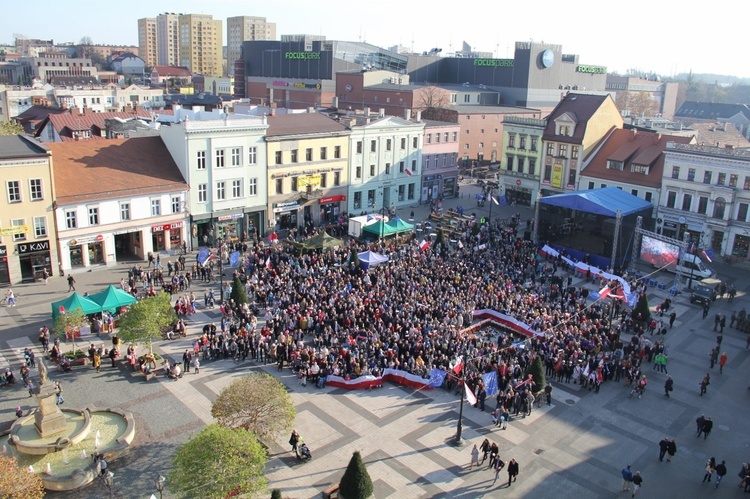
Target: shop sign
{"x": 86, "y": 240}
{"x": 494, "y": 62}
{"x": 32, "y": 247}
{"x": 302, "y": 55}
{"x": 3, "y": 251}
{"x": 14, "y": 230}
{"x": 591, "y": 69}
{"x": 163, "y": 227}
{"x": 234, "y": 216}
{"x": 557, "y": 173}
{"x": 332, "y": 199}
{"x": 518, "y": 182}
{"x": 307, "y": 85}
{"x": 280, "y": 207}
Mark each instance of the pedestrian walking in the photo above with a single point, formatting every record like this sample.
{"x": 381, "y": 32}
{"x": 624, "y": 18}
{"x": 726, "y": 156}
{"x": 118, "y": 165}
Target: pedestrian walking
{"x": 637, "y": 482}
{"x": 672, "y": 318}
{"x": 45, "y": 276}
{"x": 627, "y": 478}
{"x": 668, "y": 386}
{"x": 699, "y": 424}
{"x": 499, "y": 465}
{"x": 710, "y": 467}
{"x": 705, "y": 310}
{"x": 671, "y": 450}
{"x": 713, "y": 356}
{"x": 548, "y": 393}
{"x": 721, "y": 470}
{"x": 186, "y": 358}
{"x": 722, "y": 361}
{"x": 663, "y": 446}
{"x": 744, "y": 472}
{"x": 707, "y": 427}
{"x": 512, "y": 471}
{"x": 196, "y": 365}
{"x": 96, "y": 361}
{"x": 59, "y": 390}
{"x": 71, "y": 283}
{"x": 494, "y": 451}
{"x": 704, "y": 383}
{"x": 485, "y": 448}
{"x": 474, "y": 457}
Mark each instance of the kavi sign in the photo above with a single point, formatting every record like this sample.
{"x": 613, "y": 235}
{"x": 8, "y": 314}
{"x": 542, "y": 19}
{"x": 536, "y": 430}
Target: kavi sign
{"x": 163, "y": 227}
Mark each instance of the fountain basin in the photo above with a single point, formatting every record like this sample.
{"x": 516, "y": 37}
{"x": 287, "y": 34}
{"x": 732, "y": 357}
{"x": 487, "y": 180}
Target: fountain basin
{"x": 68, "y": 468}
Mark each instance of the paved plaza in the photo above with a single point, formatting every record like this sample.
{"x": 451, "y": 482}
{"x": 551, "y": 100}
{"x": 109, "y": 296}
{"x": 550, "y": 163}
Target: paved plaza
{"x": 574, "y": 448}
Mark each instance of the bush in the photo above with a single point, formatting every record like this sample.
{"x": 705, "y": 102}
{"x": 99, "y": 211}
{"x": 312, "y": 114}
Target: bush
{"x": 238, "y": 292}
{"x": 356, "y": 482}
{"x": 276, "y": 494}
{"x": 537, "y": 374}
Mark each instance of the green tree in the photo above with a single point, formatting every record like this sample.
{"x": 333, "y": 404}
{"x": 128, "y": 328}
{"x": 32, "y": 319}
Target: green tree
{"x": 642, "y": 308}
{"x": 146, "y": 319}
{"x": 537, "y": 374}
{"x": 238, "y": 292}
{"x": 17, "y": 483}
{"x": 356, "y": 482}
{"x": 276, "y": 494}
{"x": 258, "y": 402}
{"x": 11, "y": 128}
{"x": 217, "y": 463}
{"x": 70, "y": 321}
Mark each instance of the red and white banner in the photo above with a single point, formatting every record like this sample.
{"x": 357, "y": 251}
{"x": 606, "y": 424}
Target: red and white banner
{"x": 506, "y": 321}
{"x": 394, "y": 375}
{"x": 470, "y": 397}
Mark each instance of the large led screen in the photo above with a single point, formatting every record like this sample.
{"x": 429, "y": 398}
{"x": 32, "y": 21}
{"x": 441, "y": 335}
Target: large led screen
{"x": 659, "y": 253}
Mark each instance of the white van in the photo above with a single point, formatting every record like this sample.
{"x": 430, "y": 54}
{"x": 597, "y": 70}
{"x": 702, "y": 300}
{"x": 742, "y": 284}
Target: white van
{"x": 691, "y": 265}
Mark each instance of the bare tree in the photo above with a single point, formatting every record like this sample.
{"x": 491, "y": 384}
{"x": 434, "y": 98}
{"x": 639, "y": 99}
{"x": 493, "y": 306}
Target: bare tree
{"x": 636, "y": 103}
{"x": 431, "y": 96}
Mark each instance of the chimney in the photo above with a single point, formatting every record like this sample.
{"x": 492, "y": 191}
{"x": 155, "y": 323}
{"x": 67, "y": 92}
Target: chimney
{"x": 367, "y": 111}
{"x": 335, "y": 103}
{"x": 724, "y": 128}
{"x": 273, "y": 110}
{"x": 407, "y": 114}
{"x": 381, "y": 113}
{"x": 310, "y": 110}
{"x": 419, "y": 116}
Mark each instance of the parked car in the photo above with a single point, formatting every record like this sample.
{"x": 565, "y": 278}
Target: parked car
{"x": 702, "y": 294}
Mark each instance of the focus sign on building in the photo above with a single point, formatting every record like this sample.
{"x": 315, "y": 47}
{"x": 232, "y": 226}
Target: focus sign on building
{"x": 592, "y": 69}
{"x": 494, "y": 62}
{"x": 301, "y": 55}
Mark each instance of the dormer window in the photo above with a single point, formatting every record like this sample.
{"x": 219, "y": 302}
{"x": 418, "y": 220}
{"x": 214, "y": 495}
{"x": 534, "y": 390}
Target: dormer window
{"x": 563, "y": 130}
{"x": 614, "y": 165}
{"x": 643, "y": 169}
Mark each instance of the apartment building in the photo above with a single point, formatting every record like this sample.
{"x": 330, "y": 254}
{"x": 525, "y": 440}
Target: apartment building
{"x": 200, "y": 44}
{"x": 148, "y": 48}
{"x": 168, "y": 40}
{"x": 245, "y": 28}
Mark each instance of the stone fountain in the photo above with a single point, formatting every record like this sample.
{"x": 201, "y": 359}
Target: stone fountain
{"x": 57, "y": 443}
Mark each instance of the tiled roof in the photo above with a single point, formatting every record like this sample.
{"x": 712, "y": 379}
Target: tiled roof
{"x": 180, "y": 71}
{"x": 65, "y": 124}
{"x": 580, "y": 107}
{"x": 35, "y": 115}
{"x": 16, "y": 146}
{"x": 299, "y": 124}
{"x": 90, "y": 170}
{"x": 711, "y": 110}
{"x": 632, "y": 147}
{"x": 714, "y": 134}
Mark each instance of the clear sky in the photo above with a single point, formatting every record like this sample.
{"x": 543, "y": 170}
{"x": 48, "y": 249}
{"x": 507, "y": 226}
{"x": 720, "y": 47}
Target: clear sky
{"x": 665, "y": 36}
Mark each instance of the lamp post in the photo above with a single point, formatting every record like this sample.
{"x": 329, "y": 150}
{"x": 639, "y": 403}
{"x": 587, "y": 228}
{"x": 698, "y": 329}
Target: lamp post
{"x": 490, "y": 192}
{"x": 459, "y": 426}
{"x": 160, "y": 485}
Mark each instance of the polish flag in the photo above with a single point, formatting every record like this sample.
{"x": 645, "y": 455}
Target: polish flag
{"x": 460, "y": 365}
{"x": 424, "y": 245}
{"x": 494, "y": 200}
{"x": 268, "y": 262}
{"x": 704, "y": 255}
{"x": 470, "y": 397}
{"x": 408, "y": 172}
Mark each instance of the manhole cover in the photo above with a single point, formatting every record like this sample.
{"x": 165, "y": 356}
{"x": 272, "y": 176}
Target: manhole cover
{"x": 723, "y": 427}
{"x": 538, "y": 451}
{"x": 570, "y": 401}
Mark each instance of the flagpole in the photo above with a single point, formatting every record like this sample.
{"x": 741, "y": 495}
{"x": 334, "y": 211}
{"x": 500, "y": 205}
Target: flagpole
{"x": 459, "y": 427}
{"x": 492, "y": 201}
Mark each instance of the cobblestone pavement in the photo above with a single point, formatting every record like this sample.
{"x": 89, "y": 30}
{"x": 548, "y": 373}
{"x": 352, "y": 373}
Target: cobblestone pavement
{"x": 574, "y": 448}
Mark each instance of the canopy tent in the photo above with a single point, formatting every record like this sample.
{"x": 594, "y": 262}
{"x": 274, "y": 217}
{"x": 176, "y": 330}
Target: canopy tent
{"x": 321, "y": 241}
{"x": 399, "y": 224}
{"x": 605, "y": 202}
{"x": 380, "y": 229}
{"x": 370, "y": 258}
{"x": 73, "y": 302}
{"x": 113, "y": 298}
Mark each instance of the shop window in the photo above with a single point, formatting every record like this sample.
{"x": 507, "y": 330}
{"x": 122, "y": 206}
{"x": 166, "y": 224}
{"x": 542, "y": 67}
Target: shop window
{"x": 94, "y": 216}
{"x": 70, "y": 220}
{"x": 13, "y": 188}
{"x": 18, "y": 222}
{"x": 252, "y": 187}
{"x": 40, "y": 227}
{"x": 371, "y": 198}
{"x": 35, "y": 188}
{"x": 357, "y": 200}
{"x": 401, "y": 192}
{"x": 155, "y": 207}
{"x": 202, "y": 193}
{"x": 124, "y": 211}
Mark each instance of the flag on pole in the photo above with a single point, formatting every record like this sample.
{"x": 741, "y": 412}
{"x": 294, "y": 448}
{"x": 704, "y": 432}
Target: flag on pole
{"x": 461, "y": 245}
{"x": 494, "y": 200}
{"x": 459, "y": 365}
{"x": 208, "y": 259}
{"x": 408, "y": 172}
{"x": 437, "y": 376}
{"x": 424, "y": 245}
{"x": 268, "y": 262}
{"x": 490, "y": 383}
{"x": 470, "y": 397}
{"x": 705, "y": 255}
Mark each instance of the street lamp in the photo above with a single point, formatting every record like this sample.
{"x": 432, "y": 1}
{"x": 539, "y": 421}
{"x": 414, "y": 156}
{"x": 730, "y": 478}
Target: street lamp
{"x": 109, "y": 482}
{"x": 160, "y": 485}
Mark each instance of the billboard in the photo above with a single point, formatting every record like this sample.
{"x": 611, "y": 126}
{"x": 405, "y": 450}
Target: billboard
{"x": 659, "y": 253}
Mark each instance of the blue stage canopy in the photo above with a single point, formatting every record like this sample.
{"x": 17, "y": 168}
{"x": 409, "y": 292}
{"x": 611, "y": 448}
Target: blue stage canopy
{"x": 605, "y": 202}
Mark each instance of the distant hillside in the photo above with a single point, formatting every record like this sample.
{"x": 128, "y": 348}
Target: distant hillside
{"x": 713, "y": 79}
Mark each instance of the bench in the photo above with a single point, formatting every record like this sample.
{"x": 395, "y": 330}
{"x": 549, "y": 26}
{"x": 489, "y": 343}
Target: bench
{"x": 330, "y": 491}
